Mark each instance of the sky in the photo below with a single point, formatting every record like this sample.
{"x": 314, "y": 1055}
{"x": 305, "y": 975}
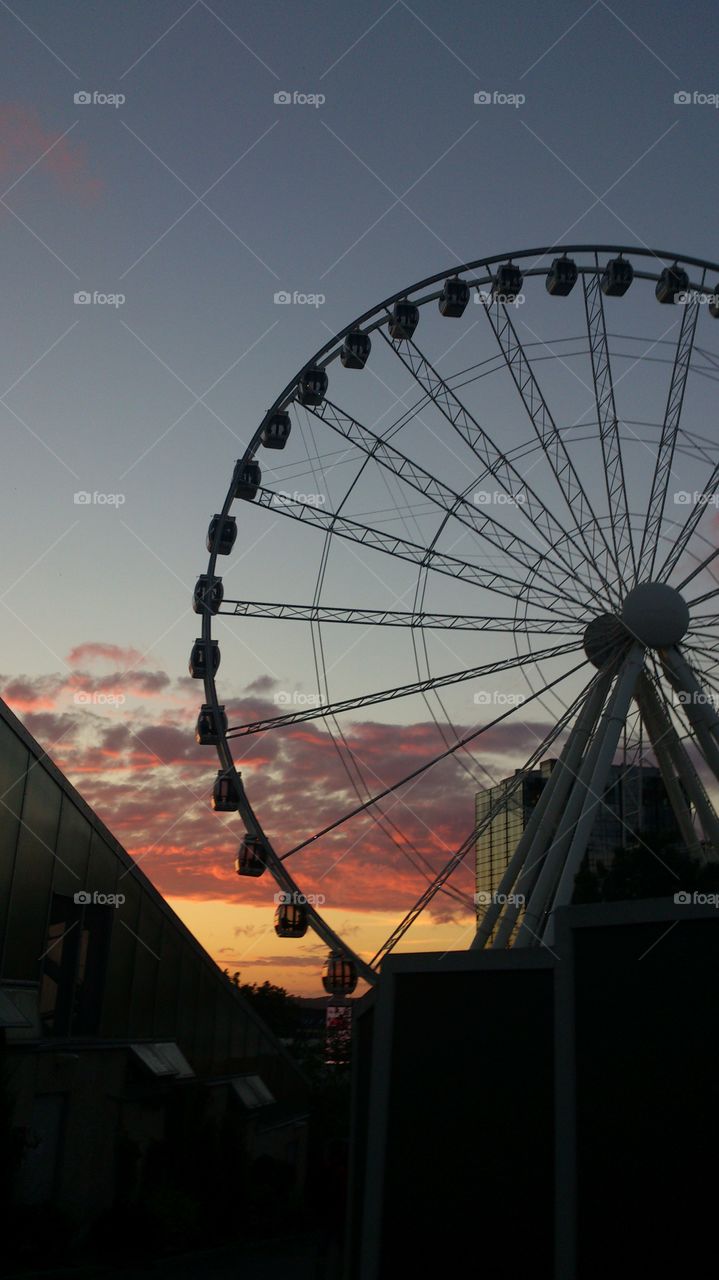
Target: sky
{"x": 147, "y": 163}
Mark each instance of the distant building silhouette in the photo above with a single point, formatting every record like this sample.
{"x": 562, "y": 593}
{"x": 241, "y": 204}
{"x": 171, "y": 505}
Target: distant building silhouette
{"x": 635, "y": 801}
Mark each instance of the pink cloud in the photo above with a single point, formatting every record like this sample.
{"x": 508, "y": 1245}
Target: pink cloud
{"x": 24, "y": 139}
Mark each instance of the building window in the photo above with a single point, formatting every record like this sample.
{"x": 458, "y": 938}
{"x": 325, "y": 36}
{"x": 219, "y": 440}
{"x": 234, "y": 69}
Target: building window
{"x": 74, "y": 965}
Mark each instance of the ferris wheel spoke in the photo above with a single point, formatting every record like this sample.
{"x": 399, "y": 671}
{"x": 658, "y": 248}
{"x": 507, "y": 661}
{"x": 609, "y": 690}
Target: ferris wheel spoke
{"x": 429, "y": 764}
{"x": 682, "y": 540}
{"x": 608, "y": 423}
{"x": 709, "y": 648}
{"x": 497, "y": 464}
{"x": 667, "y": 440}
{"x": 419, "y": 619}
{"x": 320, "y": 710}
{"x": 469, "y": 844}
{"x": 442, "y": 495}
{"x": 550, "y": 438}
{"x": 708, "y": 595}
{"x": 698, "y": 569}
{"x": 699, "y": 624}
{"x": 391, "y": 544}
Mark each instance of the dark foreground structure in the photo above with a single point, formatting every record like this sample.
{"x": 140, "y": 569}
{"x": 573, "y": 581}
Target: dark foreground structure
{"x": 554, "y": 1112}
{"x": 134, "y": 1076}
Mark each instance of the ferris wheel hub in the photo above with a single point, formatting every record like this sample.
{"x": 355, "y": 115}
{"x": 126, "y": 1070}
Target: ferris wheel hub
{"x": 656, "y": 615}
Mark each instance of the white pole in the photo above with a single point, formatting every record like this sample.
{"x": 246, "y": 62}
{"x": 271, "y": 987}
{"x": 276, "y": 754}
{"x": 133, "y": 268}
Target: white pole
{"x": 607, "y": 738}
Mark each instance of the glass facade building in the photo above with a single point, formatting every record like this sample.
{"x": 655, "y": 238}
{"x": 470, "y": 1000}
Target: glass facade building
{"x": 635, "y": 801}
{"x": 108, "y": 1004}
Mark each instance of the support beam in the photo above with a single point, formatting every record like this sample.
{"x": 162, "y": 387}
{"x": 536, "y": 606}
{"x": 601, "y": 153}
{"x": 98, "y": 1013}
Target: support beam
{"x": 660, "y": 729}
{"x": 524, "y": 866}
{"x": 697, "y": 705}
{"x": 592, "y": 780}
{"x": 676, "y": 766}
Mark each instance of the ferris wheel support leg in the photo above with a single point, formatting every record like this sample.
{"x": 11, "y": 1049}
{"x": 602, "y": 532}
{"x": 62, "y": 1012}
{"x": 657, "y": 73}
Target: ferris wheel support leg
{"x": 529, "y": 932}
{"x": 607, "y": 740}
{"x": 524, "y": 867}
{"x": 697, "y": 704}
{"x": 661, "y": 732}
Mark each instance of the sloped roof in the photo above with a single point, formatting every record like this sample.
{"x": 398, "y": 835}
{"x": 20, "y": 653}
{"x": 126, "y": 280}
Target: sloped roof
{"x": 187, "y": 937}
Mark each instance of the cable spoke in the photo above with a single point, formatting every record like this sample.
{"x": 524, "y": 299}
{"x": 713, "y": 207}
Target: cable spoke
{"x": 703, "y": 565}
{"x": 391, "y": 544}
{"x": 496, "y": 463}
{"x": 667, "y": 441}
{"x": 416, "y": 773}
{"x": 470, "y": 843}
{"x": 608, "y": 422}
{"x": 442, "y": 495}
{"x": 688, "y": 530}
{"x": 401, "y": 691}
{"x": 550, "y": 439}
{"x": 708, "y": 595}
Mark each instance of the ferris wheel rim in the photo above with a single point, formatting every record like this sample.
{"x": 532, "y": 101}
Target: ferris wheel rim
{"x": 369, "y": 321}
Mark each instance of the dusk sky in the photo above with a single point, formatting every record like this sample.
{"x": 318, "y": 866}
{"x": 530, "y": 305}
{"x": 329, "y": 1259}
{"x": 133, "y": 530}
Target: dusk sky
{"x": 182, "y": 197}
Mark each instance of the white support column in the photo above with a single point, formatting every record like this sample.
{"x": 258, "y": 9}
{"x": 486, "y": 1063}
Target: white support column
{"x": 599, "y": 762}
{"x": 696, "y": 703}
{"x": 659, "y": 729}
{"x": 524, "y": 870}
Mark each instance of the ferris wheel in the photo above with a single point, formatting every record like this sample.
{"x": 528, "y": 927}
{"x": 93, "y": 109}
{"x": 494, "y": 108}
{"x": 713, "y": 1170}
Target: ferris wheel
{"x": 490, "y": 501}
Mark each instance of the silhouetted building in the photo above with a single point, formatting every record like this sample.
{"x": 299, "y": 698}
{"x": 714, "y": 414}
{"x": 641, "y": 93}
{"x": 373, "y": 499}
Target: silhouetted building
{"x": 115, "y": 1024}
{"x": 635, "y": 801}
